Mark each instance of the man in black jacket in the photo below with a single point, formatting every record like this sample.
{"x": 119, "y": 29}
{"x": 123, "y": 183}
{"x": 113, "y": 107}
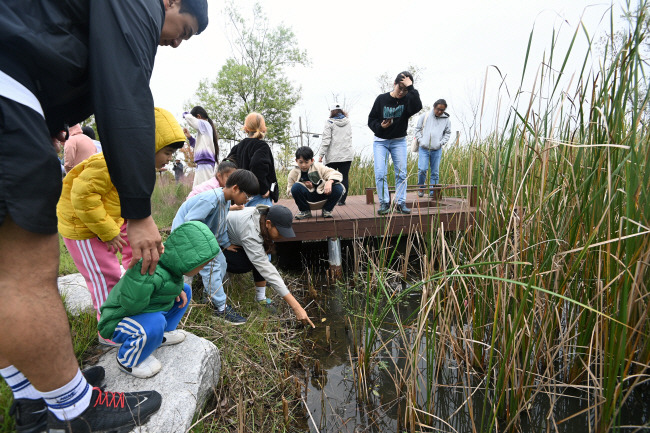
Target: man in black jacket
{"x": 60, "y": 62}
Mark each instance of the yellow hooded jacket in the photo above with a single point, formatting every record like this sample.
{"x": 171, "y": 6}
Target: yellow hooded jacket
{"x": 89, "y": 205}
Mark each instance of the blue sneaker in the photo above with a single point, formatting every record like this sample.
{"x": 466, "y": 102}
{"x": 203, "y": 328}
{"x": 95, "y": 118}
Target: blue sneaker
{"x": 267, "y": 304}
{"x": 229, "y": 315}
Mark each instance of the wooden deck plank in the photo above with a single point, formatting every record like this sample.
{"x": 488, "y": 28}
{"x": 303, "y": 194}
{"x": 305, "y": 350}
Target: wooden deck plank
{"x": 357, "y": 219}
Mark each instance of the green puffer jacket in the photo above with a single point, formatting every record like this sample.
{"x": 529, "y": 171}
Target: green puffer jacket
{"x": 188, "y": 246}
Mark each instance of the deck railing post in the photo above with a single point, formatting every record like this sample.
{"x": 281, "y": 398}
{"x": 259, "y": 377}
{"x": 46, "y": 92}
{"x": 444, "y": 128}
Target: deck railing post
{"x": 370, "y": 195}
{"x": 473, "y": 196}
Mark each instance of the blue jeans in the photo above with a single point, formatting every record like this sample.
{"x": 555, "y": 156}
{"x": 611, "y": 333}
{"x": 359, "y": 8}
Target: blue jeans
{"x": 213, "y": 274}
{"x": 397, "y": 149}
{"x": 258, "y": 199}
{"x": 141, "y": 334}
{"x": 302, "y": 195}
{"x": 428, "y": 158}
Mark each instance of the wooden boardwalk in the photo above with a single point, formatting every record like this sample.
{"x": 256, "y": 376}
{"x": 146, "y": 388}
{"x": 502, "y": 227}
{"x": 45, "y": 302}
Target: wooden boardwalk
{"x": 358, "y": 218}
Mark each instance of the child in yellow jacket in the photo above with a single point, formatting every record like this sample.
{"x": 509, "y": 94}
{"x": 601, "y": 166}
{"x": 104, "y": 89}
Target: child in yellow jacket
{"x": 89, "y": 214}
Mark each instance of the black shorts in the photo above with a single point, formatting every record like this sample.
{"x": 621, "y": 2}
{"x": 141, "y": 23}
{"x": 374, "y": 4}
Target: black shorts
{"x": 30, "y": 171}
{"x": 239, "y": 263}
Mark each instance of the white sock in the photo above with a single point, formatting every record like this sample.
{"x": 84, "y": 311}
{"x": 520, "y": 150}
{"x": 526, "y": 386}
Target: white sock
{"x": 261, "y": 293}
{"x": 19, "y": 384}
{"x": 69, "y": 401}
{"x": 221, "y": 308}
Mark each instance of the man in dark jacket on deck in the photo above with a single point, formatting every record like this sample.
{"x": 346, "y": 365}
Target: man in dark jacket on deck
{"x": 60, "y": 62}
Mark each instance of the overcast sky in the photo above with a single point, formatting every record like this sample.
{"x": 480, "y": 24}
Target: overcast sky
{"x": 351, "y": 43}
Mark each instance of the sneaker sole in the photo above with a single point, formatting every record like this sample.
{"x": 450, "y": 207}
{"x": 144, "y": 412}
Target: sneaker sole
{"x": 168, "y": 343}
{"x": 127, "y": 429}
{"x": 124, "y": 370}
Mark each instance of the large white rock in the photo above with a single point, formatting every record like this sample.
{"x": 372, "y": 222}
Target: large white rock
{"x": 75, "y": 293}
{"x": 190, "y": 369}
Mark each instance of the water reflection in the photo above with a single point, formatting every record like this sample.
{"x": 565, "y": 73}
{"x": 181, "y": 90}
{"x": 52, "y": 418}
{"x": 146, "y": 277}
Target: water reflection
{"x": 456, "y": 395}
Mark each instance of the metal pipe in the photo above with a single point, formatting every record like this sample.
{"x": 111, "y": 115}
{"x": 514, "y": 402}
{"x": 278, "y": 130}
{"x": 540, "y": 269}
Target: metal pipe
{"x": 334, "y": 250}
{"x": 335, "y": 271}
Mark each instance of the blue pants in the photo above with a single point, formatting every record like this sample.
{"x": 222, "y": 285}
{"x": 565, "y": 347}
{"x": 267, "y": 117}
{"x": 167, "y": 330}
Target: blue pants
{"x": 213, "y": 274}
{"x": 302, "y": 195}
{"x": 428, "y": 158}
{"x": 143, "y": 333}
{"x": 396, "y": 147}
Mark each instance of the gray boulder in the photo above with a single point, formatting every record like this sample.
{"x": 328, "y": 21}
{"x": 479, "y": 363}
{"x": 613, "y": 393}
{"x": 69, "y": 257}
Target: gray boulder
{"x": 74, "y": 292}
{"x": 190, "y": 372}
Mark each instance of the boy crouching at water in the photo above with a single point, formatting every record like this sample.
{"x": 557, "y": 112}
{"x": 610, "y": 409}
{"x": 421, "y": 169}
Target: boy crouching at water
{"x": 211, "y": 208}
{"x": 312, "y": 182}
{"x": 142, "y": 311}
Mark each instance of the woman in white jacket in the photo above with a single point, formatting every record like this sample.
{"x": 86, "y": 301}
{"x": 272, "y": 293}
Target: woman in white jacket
{"x": 336, "y": 146}
{"x": 206, "y": 148}
{"x": 432, "y": 132}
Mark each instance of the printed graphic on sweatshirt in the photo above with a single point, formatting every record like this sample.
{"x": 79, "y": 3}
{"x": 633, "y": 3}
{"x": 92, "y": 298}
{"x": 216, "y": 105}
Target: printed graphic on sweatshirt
{"x": 390, "y": 112}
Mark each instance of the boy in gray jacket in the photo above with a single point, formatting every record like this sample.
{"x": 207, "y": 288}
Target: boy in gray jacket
{"x": 432, "y": 132}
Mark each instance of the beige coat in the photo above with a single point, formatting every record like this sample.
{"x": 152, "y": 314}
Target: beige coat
{"x": 316, "y": 172}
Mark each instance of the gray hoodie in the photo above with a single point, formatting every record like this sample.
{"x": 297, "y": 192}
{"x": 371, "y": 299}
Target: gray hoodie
{"x": 337, "y": 141}
{"x": 436, "y": 131}
{"x": 244, "y": 230}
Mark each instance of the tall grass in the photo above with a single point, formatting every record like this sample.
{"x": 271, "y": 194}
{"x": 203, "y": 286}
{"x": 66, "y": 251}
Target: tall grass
{"x": 167, "y": 197}
{"x": 549, "y": 289}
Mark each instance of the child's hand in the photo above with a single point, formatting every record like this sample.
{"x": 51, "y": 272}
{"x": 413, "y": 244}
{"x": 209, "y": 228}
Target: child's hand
{"x": 182, "y": 297}
{"x": 116, "y": 244}
{"x": 187, "y": 133}
{"x": 301, "y": 315}
{"x": 386, "y": 123}
{"x": 328, "y": 187}
{"x": 237, "y": 207}
{"x": 232, "y": 248}
{"x": 308, "y": 184}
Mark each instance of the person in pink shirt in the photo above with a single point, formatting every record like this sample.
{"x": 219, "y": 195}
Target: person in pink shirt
{"x": 224, "y": 169}
{"x": 77, "y": 148}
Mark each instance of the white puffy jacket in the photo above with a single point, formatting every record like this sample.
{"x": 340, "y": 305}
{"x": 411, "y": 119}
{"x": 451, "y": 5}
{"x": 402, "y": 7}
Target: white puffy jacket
{"x": 337, "y": 141}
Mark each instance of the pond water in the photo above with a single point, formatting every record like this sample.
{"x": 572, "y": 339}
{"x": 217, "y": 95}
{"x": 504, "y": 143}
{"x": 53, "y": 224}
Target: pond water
{"x": 335, "y": 405}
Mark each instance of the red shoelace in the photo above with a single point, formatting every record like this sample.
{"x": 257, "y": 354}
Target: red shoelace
{"x": 107, "y": 398}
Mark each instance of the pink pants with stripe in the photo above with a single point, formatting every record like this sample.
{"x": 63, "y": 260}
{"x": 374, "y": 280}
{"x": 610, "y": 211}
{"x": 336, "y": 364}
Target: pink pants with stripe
{"x": 99, "y": 267}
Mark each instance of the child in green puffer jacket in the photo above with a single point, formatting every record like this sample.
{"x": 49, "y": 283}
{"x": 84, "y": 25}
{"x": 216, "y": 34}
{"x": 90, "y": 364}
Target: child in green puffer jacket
{"x": 142, "y": 311}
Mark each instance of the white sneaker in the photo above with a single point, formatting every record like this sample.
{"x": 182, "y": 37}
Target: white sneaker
{"x": 147, "y": 368}
{"x": 172, "y": 337}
